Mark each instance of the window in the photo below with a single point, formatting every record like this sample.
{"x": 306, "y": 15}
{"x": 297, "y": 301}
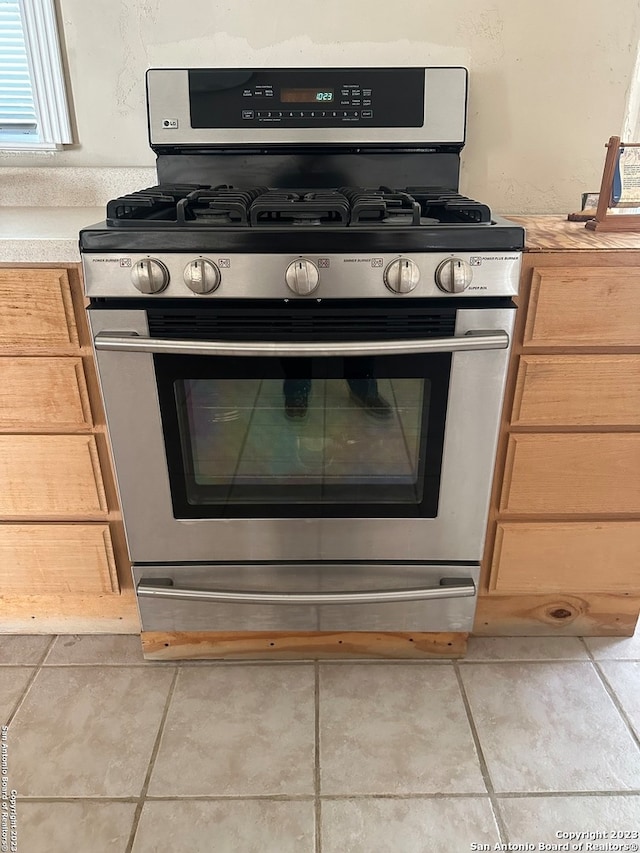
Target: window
{"x": 33, "y": 104}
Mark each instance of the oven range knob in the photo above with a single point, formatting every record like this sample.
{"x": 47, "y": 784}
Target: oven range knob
{"x": 302, "y": 276}
{"x": 201, "y": 276}
{"x": 402, "y": 275}
{"x": 453, "y": 275}
{"x": 150, "y": 275}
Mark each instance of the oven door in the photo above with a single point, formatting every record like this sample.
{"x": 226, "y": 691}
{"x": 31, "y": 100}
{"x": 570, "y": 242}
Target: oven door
{"x": 377, "y": 447}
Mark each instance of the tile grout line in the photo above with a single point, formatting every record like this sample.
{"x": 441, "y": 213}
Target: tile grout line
{"x": 613, "y": 696}
{"x": 400, "y": 662}
{"x": 159, "y": 663}
{"x": 305, "y": 798}
{"x": 614, "y": 638}
{"x": 591, "y": 656}
{"x": 513, "y": 795}
{"x": 36, "y": 669}
{"x": 49, "y": 649}
{"x": 223, "y": 798}
{"x": 96, "y": 799}
{"x": 484, "y": 769}
{"x": 345, "y": 662}
{"x": 152, "y": 760}
{"x": 317, "y": 805}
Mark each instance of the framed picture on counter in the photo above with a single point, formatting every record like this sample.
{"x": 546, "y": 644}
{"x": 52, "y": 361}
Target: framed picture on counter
{"x": 618, "y": 205}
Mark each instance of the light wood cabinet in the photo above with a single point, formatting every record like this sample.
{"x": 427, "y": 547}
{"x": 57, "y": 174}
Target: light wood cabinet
{"x": 36, "y": 312}
{"x": 51, "y": 477}
{"x": 64, "y": 566}
{"x": 563, "y": 544}
{"x": 57, "y": 558}
{"x": 577, "y": 391}
{"x": 584, "y": 306}
{"x": 43, "y": 395}
{"x": 572, "y": 473}
{"x": 579, "y": 557}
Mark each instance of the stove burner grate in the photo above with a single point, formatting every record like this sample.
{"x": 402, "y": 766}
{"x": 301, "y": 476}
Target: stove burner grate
{"x": 155, "y": 203}
{"x": 382, "y": 205}
{"x": 224, "y": 206}
{"x": 449, "y": 206}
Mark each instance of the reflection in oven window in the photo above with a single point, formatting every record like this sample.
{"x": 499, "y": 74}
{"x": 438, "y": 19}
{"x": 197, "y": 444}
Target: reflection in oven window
{"x": 241, "y": 445}
{"x": 360, "y": 379}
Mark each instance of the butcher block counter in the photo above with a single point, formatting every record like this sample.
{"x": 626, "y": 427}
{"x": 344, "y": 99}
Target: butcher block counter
{"x": 557, "y": 234}
{"x": 564, "y": 528}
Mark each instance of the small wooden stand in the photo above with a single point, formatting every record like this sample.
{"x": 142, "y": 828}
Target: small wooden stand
{"x": 605, "y": 221}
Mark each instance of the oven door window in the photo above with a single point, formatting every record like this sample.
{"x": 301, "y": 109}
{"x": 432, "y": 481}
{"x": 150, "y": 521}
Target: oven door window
{"x": 312, "y": 437}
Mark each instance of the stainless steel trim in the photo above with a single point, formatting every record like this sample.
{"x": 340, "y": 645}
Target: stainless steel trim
{"x": 254, "y": 276}
{"x": 471, "y": 341}
{"x": 445, "y": 96}
{"x": 460, "y": 588}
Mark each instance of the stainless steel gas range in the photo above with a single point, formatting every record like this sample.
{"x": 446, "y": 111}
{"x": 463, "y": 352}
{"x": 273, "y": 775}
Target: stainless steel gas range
{"x": 302, "y": 336}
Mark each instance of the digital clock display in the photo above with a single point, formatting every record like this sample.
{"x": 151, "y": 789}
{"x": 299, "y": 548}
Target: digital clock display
{"x": 306, "y": 96}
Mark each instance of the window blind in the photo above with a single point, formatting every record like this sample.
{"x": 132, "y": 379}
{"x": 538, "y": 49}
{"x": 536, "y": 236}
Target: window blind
{"x": 18, "y": 119}
{"x": 33, "y": 102}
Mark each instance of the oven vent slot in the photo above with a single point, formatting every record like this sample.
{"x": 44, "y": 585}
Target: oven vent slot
{"x": 300, "y": 326}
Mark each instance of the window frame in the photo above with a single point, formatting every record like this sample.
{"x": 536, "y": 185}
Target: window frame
{"x": 44, "y": 58}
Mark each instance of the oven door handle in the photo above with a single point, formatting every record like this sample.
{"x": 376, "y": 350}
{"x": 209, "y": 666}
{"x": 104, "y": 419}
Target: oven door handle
{"x": 470, "y": 342}
{"x": 448, "y": 588}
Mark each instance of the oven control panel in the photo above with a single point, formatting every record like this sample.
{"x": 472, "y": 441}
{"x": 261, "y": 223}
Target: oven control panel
{"x": 309, "y": 276}
{"x": 328, "y": 97}
{"x": 214, "y": 107}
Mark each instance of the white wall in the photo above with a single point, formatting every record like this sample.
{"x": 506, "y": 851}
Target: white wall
{"x": 549, "y": 79}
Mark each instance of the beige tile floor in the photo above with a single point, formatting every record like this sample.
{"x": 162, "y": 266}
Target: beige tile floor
{"x": 523, "y": 742}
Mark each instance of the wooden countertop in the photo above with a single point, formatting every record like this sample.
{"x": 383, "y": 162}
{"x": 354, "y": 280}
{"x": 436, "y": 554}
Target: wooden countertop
{"x": 555, "y": 233}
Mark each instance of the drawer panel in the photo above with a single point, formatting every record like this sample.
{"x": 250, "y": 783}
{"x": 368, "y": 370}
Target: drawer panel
{"x": 50, "y": 477}
{"x": 572, "y": 473}
{"x": 183, "y": 612}
{"x": 594, "y": 556}
{"x": 585, "y": 306}
{"x": 56, "y": 559}
{"x": 43, "y": 395}
{"x": 36, "y": 311}
{"x": 577, "y": 390}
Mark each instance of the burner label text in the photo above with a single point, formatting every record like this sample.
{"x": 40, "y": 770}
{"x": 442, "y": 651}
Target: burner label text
{"x": 374, "y": 262}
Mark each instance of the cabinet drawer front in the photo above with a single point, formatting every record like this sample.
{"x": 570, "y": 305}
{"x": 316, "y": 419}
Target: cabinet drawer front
{"x": 574, "y": 556}
{"x": 50, "y": 477}
{"x": 572, "y": 473}
{"x": 585, "y": 306}
{"x": 43, "y": 395}
{"x": 36, "y": 311}
{"x": 577, "y": 390}
{"x": 57, "y": 558}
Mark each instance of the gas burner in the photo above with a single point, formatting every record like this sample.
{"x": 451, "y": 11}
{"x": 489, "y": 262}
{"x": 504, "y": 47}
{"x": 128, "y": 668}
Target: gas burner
{"x": 302, "y": 207}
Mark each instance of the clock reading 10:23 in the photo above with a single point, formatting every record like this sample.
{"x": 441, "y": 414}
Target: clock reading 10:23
{"x": 306, "y": 96}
